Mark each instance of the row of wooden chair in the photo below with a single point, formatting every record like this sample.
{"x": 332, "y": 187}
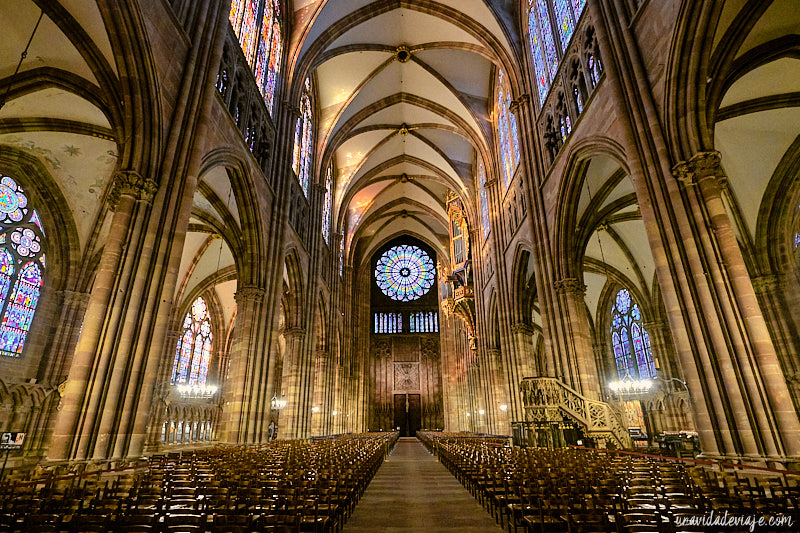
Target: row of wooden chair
{"x": 287, "y": 486}
{"x": 578, "y": 490}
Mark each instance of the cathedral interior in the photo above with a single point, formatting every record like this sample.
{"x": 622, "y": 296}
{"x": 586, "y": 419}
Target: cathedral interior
{"x": 265, "y": 223}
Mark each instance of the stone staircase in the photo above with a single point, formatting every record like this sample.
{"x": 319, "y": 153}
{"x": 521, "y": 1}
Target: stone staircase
{"x": 550, "y": 400}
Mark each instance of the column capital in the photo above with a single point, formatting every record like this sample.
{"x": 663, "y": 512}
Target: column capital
{"x": 74, "y": 297}
{"x": 521, "y": 327}
{"x": 700, "y": 166}
{"x": 131, "y": 183}
{"x": 294, "y": 332}
{"x": 519, "y": 102}
{"x": 766, "y": 282}
{"x": 248, "y": 293}
{"x": 569, "y": 286}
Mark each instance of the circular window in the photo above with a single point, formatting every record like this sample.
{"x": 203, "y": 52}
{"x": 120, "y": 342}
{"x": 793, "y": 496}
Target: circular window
{"x": 405, "y": 273}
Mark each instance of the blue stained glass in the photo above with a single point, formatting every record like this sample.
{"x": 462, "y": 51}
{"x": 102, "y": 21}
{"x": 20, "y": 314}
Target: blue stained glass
{"x": 627, "y": 330}
{"x": 303, "y": 136}
{"x": 564, "y": 22}
{"x": 623, "y": 301}
{"x": 484, "y": 200}
{"x": 540, "y": 72}
{"x": 405, "y": 273}
{"x": 35, "y": 219}
{"x": 193, "y": 352}
{"x": 20, "y": 309}
{"x": 326, "y": 207}
{"x": 641, "y": 354}
{"x": 578, "y": 99}
{"x": 341, "y": 257}
{"x": 506, "y": 130}
{"x": 548, "y": 41}
{"x": 578, "y": 6}
{"x": 796, "y": 240}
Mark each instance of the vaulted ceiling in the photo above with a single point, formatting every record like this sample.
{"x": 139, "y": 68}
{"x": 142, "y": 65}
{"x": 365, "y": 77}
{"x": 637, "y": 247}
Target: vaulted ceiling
{"x": 402, "y": 91}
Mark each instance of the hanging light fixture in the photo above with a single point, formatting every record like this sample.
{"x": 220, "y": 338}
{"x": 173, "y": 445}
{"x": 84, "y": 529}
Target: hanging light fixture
{"x": 22, "y": 57}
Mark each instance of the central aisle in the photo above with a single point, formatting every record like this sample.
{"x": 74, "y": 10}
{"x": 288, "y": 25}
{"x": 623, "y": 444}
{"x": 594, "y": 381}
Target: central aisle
{"x": 413, "y": 492}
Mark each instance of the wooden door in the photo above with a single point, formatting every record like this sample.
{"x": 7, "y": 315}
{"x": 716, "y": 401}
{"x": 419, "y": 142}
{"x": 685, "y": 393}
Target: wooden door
{"x": 407, "y": 414}
{"x": 414, "y": 414}
{"x": 400, "y": 414}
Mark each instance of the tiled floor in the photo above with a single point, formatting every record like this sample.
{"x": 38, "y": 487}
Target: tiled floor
{"x": 413, "y": 492}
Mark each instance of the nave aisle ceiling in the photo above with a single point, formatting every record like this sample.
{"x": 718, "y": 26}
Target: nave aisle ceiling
{"x": 403, "y": 90}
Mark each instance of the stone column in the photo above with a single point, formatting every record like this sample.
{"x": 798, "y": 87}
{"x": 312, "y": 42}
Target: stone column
{"x": 91, "y": 375}
{"x": 320, "y": 421}
{"x": 247, "y": 389}
{"x": 501, "y": 392}
{"x": 775, "y": 296}
{"x": 292, "y": 424}
{"x": 739, "y": 358}
{"x": 577, "y": 362}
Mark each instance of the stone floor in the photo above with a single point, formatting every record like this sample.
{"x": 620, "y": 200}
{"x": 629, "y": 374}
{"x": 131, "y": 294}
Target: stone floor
{"x": 413, "y": 492}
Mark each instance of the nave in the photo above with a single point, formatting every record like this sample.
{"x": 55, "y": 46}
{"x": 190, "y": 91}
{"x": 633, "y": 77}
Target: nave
{"x": 379, "y": 483}
{"x": 412, "y": 491}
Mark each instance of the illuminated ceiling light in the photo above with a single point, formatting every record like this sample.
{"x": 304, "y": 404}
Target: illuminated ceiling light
{"x": 315, "y": 409}
{"x": 481, "y": 412}
{"x": 503, "y": 407}
{"x": 631, "y": 386}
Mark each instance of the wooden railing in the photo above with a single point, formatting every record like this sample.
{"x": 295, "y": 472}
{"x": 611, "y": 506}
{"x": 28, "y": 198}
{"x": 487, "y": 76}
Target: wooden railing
{"x": 549, "y": 400}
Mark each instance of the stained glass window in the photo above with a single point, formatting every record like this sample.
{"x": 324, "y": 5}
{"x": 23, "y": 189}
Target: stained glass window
{"x": 22, "y": 264}
{"x": 578, "y": 6}
{"x": 303, "y": 135}
{"x": 258, "y": 28}
{"x": 484, "y": 199}
{"x": 274, "y": 66}
{"x": 563, "y": 22}
{"x": 506, "y": 130}
{"x": 424, "y": 322}
{"x": 630, "y": 340}
{"x": 796, "y": 240}
{"x": 540, "y": 71}
{"x": 548, "y": 40}
{"x": 405, "y": 273}
{"x": 341, "y": 256}
{"x": 543, "y": 37}
{"x": 193, "y": 352}
{"x": 326, "y": 207}
{"x": 388, "y": 322}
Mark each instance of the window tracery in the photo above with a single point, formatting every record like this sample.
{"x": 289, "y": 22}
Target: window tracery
{"x": 303, "y": 135}
{"x": 257, "y": 25}
{"x": 484, "y": 199}
{"x": 405, "y": 272}
{"x": 22, "y": 265}
{"x": 508, "y": 137}
{"x": 193, "y": 351}
{"x": 548, "y": 45}
{"x": 326, "y": 207}
{"x": 630, "y": 340}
